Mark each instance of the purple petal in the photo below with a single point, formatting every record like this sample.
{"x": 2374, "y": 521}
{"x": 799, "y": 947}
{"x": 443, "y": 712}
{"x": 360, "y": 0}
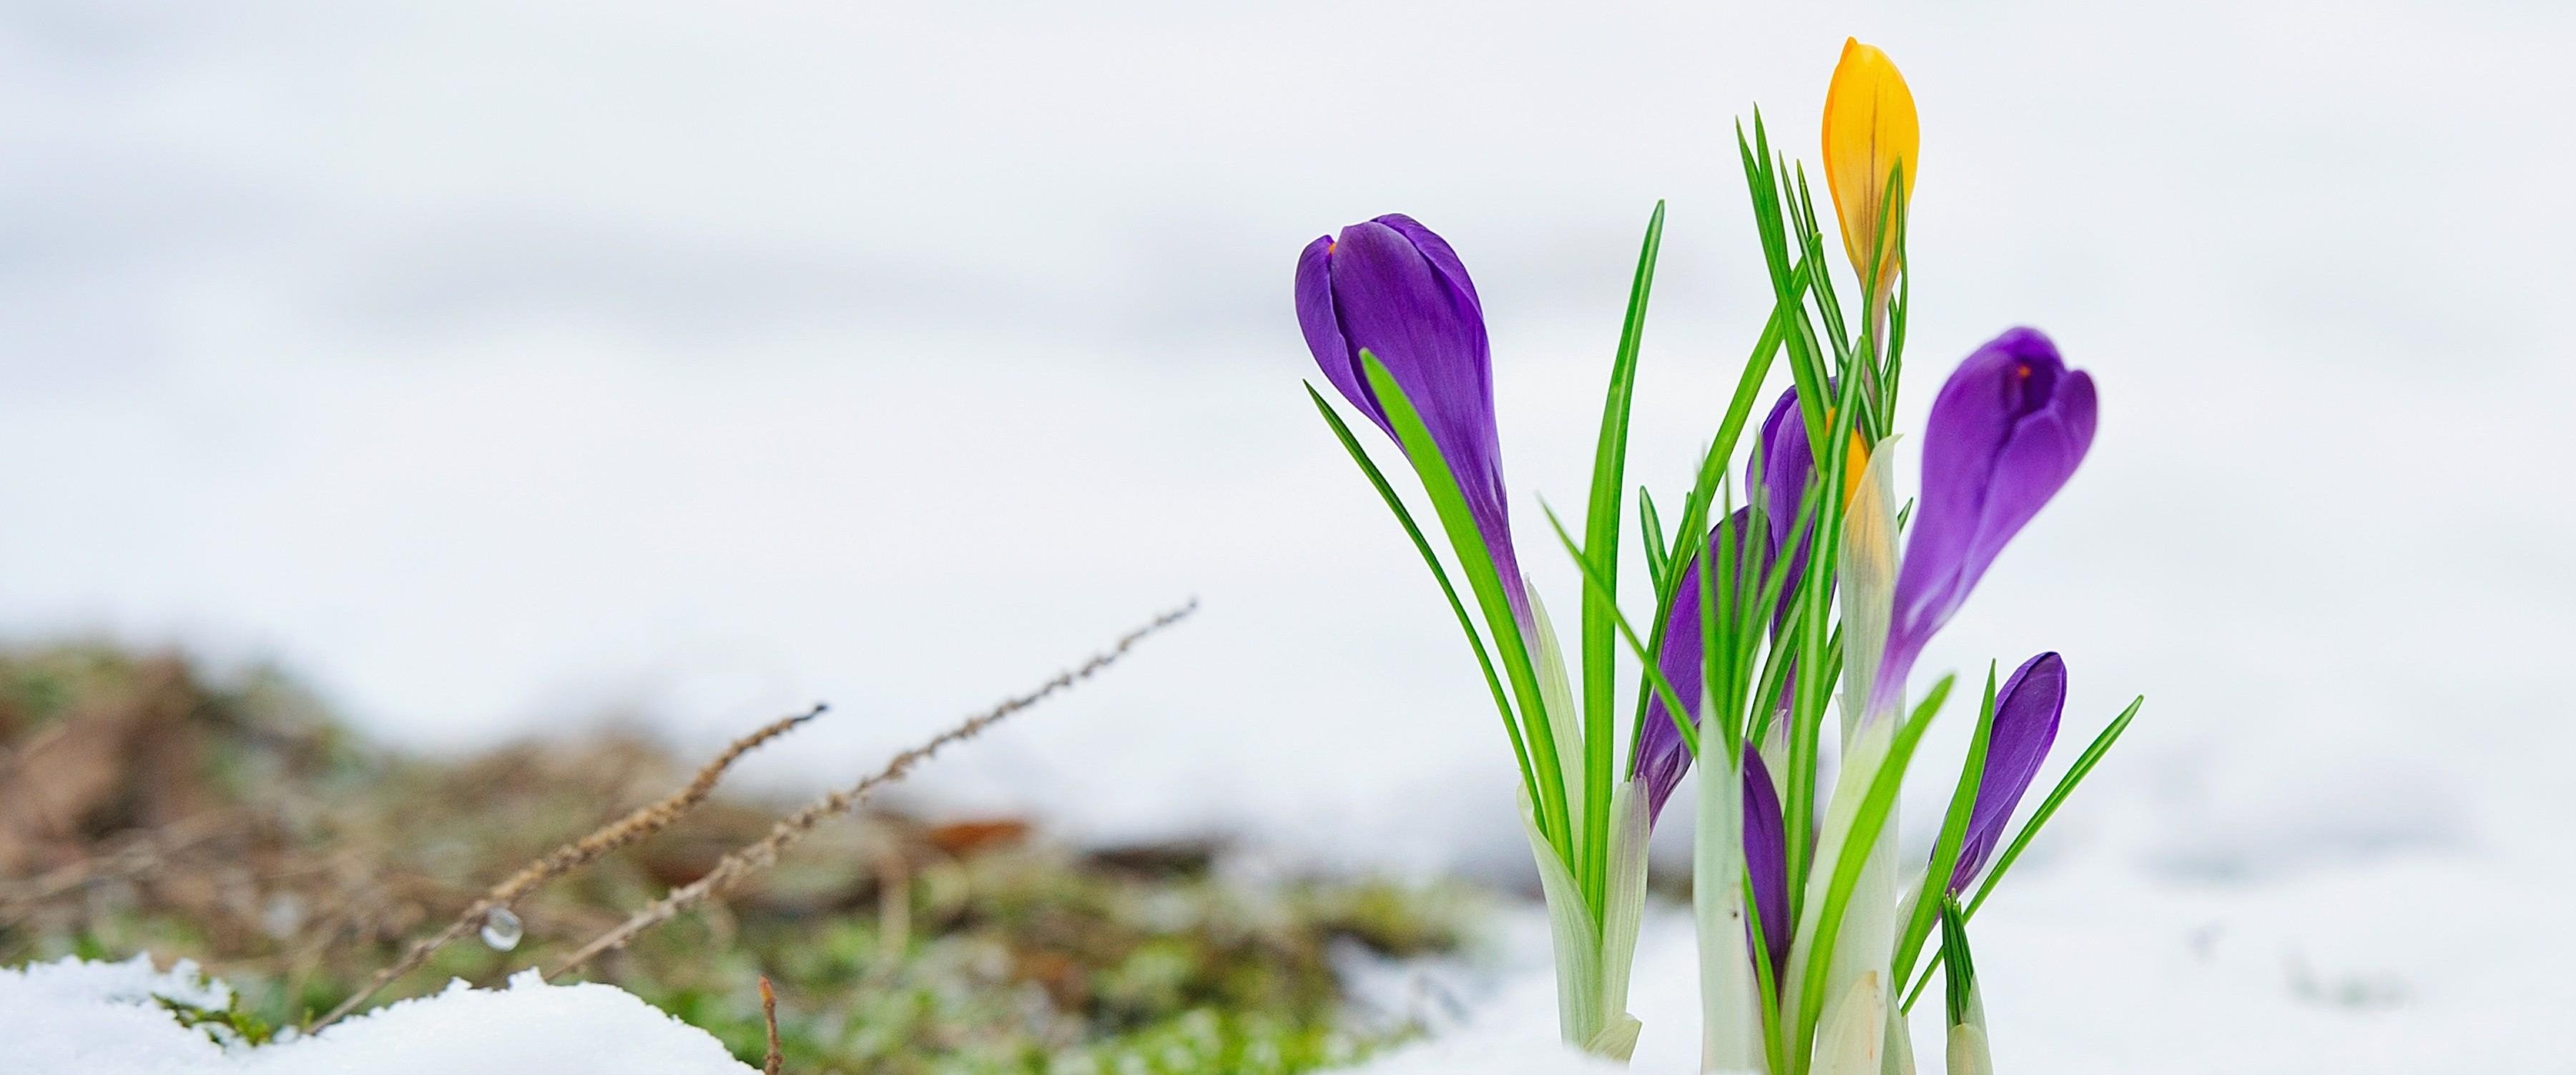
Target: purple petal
{"x": 1787, "y": 461}
{"x": 1394, "y": 288}
{"x": 2026, "y": 714}
{"x": 1324, "y": 330}
{"x": 2006, "y": 432}
{"x": 1436, "y": 250}
{"x": 1766, "y": 860}
{"x": 1662, "y": 757}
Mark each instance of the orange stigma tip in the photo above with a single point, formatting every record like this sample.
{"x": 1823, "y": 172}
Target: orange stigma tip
{"x": 1328, "y": 247}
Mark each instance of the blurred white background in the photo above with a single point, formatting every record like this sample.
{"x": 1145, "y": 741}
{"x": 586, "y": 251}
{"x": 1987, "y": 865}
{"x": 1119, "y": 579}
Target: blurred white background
{"x": 501, "y": 368}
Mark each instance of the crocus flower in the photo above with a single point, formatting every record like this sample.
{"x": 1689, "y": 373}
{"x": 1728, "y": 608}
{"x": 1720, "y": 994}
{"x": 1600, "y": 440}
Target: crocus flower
{"x": 1869, "y": 131}
{"x": 1766, "y": 861}
{"x": 1787, "y": 460}
{"x": 1785, "y": 465}
{"x": 2026, "y": 714}
{"x": 1661, "y": 755}
{"x": 1394, "y": 287}
{"x": 2005, "y": 433}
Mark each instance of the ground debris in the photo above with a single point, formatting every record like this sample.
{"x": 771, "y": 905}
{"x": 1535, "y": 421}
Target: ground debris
{"x": 238, "y": 826}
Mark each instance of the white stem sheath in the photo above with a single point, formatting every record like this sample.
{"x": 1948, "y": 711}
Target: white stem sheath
{"x": 1564, "y": 723}
{"x": 1848, "y": 1040}
{"x": 1853, "y": 946}
{"x": 1968, "y": 1054}
{"x": 1623, "y": 914}
{"x": 1577, "y": 940}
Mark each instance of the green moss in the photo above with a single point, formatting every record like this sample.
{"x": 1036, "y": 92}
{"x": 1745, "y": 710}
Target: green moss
{"x": 227, "y": 1026}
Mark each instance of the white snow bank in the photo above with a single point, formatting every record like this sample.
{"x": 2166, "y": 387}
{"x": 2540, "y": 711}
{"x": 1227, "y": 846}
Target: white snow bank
{"x": 2102, "y": 966}
{"x": 102, "y": 1019}
{"x": 1491, "y": 1054}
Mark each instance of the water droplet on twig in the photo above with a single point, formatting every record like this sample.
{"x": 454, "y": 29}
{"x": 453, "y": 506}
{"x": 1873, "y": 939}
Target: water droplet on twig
{"x": 501, "y": 929}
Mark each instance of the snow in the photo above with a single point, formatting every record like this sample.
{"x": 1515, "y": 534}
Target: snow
{"x": 577, "y": 388}
{"x": 101, "y": 1019}
{"x": 2091, "y": 967}
{"x": 506, "y": 362}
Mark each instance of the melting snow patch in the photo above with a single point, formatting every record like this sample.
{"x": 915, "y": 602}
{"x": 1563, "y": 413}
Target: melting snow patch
{"x": 1488, "y": 1054}
{"x": 108, "y": 1019}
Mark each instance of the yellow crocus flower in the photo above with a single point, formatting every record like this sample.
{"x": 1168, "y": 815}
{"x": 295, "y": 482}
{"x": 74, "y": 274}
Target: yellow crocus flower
{"x": 1870, "y": 131}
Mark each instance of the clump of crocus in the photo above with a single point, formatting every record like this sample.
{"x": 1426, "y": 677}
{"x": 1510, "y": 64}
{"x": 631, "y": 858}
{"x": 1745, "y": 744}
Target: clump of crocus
{"x": 1804, "y": 591}
{"x": 1393, "y": 319}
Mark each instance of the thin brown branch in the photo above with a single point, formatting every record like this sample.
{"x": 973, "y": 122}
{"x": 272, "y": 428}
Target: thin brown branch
{"x": 770, "y": 1064}
{"x": 644, "y": 821}
{"x": 752, "y": 858}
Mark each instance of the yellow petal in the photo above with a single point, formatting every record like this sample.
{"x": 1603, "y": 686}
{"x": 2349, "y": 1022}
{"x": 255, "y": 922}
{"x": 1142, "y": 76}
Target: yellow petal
{"x": 1869, "y": 131}
{"x": 1855, "y": 464}
{"x": 1855, "y": 461}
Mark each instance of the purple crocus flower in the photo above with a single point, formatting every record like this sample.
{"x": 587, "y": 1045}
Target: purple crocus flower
{"x": 1766, "y": 860}
{"x": 1662, "y": 757}
{"x": 1787, "y": 461}
{"x": 1393, "y": 287}
{"x": 2026, "y": 714}
{"x": 2005, "y": 433}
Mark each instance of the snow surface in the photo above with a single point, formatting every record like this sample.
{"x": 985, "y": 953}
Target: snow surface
{"x": 2088, "y": 970}
{"x": 100, "y": 1019}
{"x": 494, "y": 361}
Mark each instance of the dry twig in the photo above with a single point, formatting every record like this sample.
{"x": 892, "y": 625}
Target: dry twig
{"x": 643, "y": 822}
{"x": 757, "y": 856}
{"x": 770, "y": 1064}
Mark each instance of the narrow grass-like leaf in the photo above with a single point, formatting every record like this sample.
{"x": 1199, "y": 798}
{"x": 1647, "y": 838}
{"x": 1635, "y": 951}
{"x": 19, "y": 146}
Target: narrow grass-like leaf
{"x": 1762, "y": 181}
{"x": 1686, "y": 542}
{"x": 1816, "y": 593}
{"x": 1593, "y": 583}
{"x": 1829, "y": 307}
{"x": 1879, "y": 802}
{"x": 1809, "y": 229}
{"x": 1713, "y": 623}
{"x": 1865, "y": 357}
{"x": 1764, "y": 188}
{"x": 1650, "y": 527}
{"x": 1894, "y": 373}
{"x": 1430, "y": 559}
{"x": 2066, "y": 785}
{"x": 1954, "y": 831}
{"x": 1487, "y": 584}
{"x": 1776, "y": 663}
{"x": 1601, "y": 549}
{"x": 1963, "y": 966}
